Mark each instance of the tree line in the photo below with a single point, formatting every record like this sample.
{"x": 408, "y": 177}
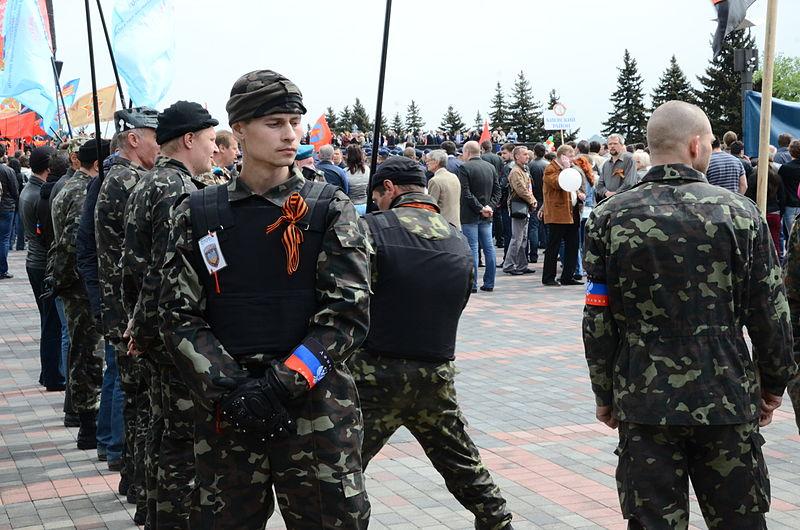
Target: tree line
{"x": 719, "y": 95}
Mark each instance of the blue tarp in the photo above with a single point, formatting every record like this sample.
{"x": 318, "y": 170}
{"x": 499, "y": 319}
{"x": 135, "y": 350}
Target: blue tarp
{"x": 785, "y": 119}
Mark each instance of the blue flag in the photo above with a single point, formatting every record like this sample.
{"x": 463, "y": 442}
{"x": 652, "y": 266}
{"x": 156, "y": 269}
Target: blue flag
{"x": 144, "y": 46}
{"x": 26, "y": 67}
{"x": 785, "y": 119}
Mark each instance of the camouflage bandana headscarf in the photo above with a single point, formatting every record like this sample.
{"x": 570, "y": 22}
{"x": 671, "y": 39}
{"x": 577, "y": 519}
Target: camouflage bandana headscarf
{"x": 261, "y": 93}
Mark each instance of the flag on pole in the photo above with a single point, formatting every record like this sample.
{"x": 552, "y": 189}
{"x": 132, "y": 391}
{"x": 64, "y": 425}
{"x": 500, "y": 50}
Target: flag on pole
{"x": 82, "y": 111}
{"x": 26, "y": 68}
{"x": 320, "y": 133}
{"x": 69, "y": 91}
{"x": 144, "y": 46}
{"x": 730, "y": 17}
{"x": 485, "y": 135}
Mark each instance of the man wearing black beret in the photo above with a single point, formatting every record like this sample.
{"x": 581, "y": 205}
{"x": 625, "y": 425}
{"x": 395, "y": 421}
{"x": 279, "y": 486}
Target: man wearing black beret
{"x": 185, "y": 133}
{"x": 85, "y": 358}
{"x": 265, "y": 296}
{"x": 421, "y": 281}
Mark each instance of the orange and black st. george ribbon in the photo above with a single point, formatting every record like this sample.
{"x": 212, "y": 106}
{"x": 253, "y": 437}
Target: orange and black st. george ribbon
{"x": 294, "y": 209}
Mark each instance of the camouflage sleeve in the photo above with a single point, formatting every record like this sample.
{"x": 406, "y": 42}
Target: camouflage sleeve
{"x": 767, "y": 315}
{"x": 64, "y": 246}
{"x": 600, "y": 333}
{"x": 373, "y": 254}
{"x": 792, "y": 282}
{"x": 182, "y": 302}
{"x": 343, "y": 273}
{"x": 130, "y": 264}
{"x": 144, "y": 317}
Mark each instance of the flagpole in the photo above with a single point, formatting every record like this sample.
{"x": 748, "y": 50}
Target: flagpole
{"x": 61, "y": 97}
{"x": 111, "y": 54}
{"x": 95, "y": 103}
{"x": 766, "y": 106}
{"x": 376, "y": 138}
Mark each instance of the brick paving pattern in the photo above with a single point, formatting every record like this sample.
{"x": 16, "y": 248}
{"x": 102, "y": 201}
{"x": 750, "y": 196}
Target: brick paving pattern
{"x": 522, "y": 383}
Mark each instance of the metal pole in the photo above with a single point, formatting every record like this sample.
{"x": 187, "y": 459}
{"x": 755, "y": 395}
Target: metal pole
{"x": 61, "y": 97}
{"x": 376, "y": 138}
{"x": 111, "y": 54}
{"x": 766, "y": 106}
{"x": 95, "y": 103}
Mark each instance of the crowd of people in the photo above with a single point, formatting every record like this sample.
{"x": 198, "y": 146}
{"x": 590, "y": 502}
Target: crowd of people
{"x": 226, "y": 313}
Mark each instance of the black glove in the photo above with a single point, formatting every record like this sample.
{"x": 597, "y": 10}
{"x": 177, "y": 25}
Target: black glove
{"x": 48, "y": 289}
{"x": 255, "y": 406}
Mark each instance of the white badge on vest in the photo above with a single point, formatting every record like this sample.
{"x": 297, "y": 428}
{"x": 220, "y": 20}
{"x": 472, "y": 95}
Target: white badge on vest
{"x": 211, "y": 253}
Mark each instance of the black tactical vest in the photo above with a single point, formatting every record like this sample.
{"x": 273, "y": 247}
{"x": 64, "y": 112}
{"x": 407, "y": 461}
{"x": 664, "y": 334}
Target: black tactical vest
{"x": 422, "y": 285}
{"x": 259, "y": 308}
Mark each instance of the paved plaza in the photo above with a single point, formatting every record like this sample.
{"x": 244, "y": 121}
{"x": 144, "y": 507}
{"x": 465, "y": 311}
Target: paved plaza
{"x": 522, "y": 383}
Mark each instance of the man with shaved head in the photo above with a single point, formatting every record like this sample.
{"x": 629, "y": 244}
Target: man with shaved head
{"x": 677, "y": 268}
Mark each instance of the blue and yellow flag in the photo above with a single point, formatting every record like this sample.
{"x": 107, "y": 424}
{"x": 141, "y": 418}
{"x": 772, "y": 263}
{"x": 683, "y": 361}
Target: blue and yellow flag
{"x": 26, "y": 67}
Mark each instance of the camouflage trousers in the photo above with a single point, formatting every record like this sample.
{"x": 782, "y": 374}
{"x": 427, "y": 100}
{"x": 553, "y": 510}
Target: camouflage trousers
{"x": 316, "y": 471}
{"x": 170, "y": 450}
{"x": 794, "y": 394}
{"x": 86, "y": 353}
{"x": 141, "y": 427}
{"x": 128, "y": 375}
{"x": 724, "y": 462}
{"x": 421, "y": 396}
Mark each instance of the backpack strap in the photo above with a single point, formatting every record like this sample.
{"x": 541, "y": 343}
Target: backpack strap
{"x": 210, "y": 209}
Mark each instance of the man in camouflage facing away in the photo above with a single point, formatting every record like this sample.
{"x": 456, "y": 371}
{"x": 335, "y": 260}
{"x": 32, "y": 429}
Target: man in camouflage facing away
{"x": 85, "y": 358}
{"x": 265, "y": 296}
{"x": 136, "y": 138}
{"x": 186, "y": 135}
{"x": 676, "y": 268}
{"x": 792, "y": 281}
{"x": 421, "y": 280}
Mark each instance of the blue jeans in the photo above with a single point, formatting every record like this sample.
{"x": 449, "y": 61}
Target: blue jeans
{"x": 6, "y": 225}
{"x": 18, "y": 234}
{"x": 62, "y": 366}
{"x": 109, "y": 417}
{"x": 789, "y": 215}
{"x": 482, "y": 232}
{"x": 50, "y": 326}
{"x": 534, "y": 230}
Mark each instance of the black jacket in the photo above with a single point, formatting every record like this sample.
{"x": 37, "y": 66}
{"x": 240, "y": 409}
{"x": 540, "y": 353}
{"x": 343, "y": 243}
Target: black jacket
{"x": 480, "y": 187}
{"x": 10, "y": 195}
{"x": 86, "y": 251}
{"x": 790, "y": 175}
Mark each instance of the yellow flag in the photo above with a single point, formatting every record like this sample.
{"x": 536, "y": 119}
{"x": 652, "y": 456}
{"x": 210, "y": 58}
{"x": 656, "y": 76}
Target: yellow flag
{"x": 82, "y": 111}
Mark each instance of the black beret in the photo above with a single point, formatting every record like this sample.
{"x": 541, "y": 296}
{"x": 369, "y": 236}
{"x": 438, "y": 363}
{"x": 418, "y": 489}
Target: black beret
{"x": 181, "y": 118}
{"x": 261, "y": 93}
{"x": 400, "y": 170}
{"x": 88, "y": 151}
{"x": 40, "y": 158}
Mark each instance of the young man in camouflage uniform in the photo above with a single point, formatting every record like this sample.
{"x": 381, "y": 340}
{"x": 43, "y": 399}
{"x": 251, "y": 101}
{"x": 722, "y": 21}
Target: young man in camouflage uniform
{"x": 265, "y": 296}
{"x": 792, "y": 280}
{"x": 85, "y": 358}
{"x": 136, "y": 137}
{"x": 677, "y": 267}
{"x": 185, "y": 133}
{"x": 406, "y": 378}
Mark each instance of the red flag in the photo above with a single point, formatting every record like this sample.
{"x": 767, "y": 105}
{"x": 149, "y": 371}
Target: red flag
{"x": 23, "y": 125}
{"x": 320, "y": 133}
{"x": 485, "y": 135}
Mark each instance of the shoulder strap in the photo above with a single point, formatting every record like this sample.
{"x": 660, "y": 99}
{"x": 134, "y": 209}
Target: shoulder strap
{"x": 210, "y": 209}
{"x": 315, "y": 193}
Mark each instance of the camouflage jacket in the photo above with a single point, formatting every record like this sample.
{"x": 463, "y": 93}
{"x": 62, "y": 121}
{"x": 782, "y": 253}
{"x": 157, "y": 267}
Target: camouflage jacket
{"x": 340, "y": 323}
{"x": 419, "y": 221}
{"x": 792, "y": 282}
{"x": 66, "y": 212}
{"x": 147, "y": 217}
{"x": 686, "y": 265}
{"x": 109, "y": 234}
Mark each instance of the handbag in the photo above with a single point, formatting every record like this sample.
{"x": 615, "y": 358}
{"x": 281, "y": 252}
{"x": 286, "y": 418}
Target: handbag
{"x": 518, "y": 209}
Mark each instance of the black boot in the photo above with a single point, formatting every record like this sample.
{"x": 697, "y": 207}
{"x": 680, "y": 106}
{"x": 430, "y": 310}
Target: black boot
{"x": 124, "y": 486}
{"x": 87, "y": 433}
{"x": 71, "y": 420}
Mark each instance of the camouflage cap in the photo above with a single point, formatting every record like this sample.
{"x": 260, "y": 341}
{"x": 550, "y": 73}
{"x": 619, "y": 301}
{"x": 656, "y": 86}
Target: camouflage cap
{"x": 74, "y": 144}
{"x": 136, "y": 118}
{"x": 263, "y": 92}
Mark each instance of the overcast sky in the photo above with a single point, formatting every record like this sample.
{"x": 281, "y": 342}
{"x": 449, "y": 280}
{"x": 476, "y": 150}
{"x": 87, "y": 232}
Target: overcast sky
{"x": 440, "y": 52}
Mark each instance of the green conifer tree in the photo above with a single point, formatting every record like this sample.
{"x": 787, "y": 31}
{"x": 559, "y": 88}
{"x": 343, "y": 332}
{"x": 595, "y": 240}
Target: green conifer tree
{"x": 628, "y": 116}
